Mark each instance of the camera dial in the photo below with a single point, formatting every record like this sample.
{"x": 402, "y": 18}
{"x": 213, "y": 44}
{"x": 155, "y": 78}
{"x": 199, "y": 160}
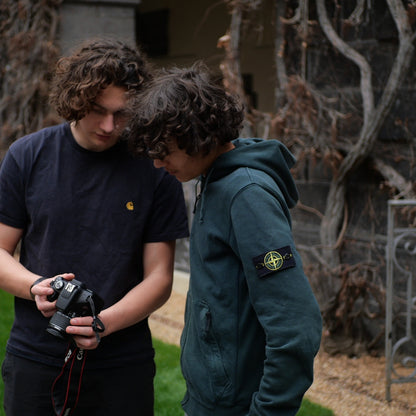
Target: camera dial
{"x": 57, "y": 286}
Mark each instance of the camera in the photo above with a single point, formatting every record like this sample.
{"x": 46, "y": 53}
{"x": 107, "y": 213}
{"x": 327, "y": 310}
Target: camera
{"x": 72, "y": 299}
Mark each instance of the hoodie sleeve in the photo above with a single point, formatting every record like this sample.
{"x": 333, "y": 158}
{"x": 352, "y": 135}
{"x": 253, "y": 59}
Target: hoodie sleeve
{"x": 281, "y": 297}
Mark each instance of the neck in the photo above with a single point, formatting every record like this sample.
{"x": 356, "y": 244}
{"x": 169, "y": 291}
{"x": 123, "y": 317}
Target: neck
{"x": 225, "y": 148}
{"x": 212, "y": 157}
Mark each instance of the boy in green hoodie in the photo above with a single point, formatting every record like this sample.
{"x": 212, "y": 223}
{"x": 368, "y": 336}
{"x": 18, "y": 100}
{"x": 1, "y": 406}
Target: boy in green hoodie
{"x": 252, "y": 323}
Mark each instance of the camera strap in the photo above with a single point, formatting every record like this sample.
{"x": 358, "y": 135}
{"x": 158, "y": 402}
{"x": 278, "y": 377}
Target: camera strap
{"x": 66, "y": 387}
{"x": 97, "y": 324}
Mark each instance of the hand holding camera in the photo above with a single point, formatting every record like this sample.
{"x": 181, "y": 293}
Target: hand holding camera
{"x": 73, "y": 299}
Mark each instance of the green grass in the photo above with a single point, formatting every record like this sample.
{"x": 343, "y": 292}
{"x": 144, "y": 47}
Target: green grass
{"x": 312, "y": 409}
{"x": 6, "y": 319}
{"x": 169, "y": 383}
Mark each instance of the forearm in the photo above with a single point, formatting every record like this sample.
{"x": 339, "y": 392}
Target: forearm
{"x": 152, "y": 292}
{"x": 288, "y": 373}
{"x": 14, "y": 277}
{"x": 137, "y": 304}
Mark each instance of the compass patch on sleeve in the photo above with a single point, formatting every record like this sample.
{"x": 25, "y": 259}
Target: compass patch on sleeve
{"x": 274, "y": 260}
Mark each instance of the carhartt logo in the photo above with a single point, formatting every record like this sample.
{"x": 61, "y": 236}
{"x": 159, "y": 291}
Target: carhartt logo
{"x": 130, "y": 206}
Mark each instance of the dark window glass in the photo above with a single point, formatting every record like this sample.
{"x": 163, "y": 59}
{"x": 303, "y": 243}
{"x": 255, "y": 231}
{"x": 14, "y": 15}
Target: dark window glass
{"x": 152, "y": 32}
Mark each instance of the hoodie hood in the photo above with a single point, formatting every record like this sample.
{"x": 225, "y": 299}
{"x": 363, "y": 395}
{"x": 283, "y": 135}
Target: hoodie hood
{"x": 269, "y": 156}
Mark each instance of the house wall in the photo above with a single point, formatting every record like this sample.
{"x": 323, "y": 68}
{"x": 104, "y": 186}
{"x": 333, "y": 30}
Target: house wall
{"x": 192, "y": 33}
{"x": 193, "y": 30}
{"x": 81, "y": 20}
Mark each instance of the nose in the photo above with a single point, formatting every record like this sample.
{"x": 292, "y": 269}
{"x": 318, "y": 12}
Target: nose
{"x": 158, "y": 163}
{"x": 107, "y": 123}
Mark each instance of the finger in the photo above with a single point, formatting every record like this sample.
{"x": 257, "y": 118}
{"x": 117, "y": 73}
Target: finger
{"x": 47, "y": 314}
{"x": 86, "y": 343}
{"x": 45, "y": 307}
{"x": 85, "y": 331}
{"x": 82, "y": 321}
{"x": 42, "y": 289}
{"x": 66, "y": 276}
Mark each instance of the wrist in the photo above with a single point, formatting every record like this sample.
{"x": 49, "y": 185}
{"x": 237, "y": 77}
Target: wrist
{"x": 35, "y": 283}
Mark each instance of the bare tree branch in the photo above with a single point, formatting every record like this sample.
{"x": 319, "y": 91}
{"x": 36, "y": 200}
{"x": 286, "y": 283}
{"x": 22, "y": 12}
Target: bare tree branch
{"x": 230, "y": 67}
{"x": 279, "y": 47}
{"x": 313, "y": 125}
{"x": 353, "y": 55}
{"x": 356, "y": 16}
{"x": 395, "y": 180}
{"x": 373, "y": 118}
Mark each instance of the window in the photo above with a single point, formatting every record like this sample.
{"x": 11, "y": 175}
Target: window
{"x": 249, "y": 90}
{"x": 152, "y": 32}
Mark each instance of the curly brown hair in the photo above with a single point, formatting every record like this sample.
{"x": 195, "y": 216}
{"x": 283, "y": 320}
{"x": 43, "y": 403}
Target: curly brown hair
{"x": 98, "y": 63}
{"x": 187, "y": 105}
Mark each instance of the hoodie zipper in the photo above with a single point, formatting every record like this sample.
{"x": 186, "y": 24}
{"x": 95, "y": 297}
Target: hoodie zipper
{"x": 198, "y": 188}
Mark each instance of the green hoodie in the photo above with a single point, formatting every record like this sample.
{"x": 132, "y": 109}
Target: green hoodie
{"x": 252, "y": 323}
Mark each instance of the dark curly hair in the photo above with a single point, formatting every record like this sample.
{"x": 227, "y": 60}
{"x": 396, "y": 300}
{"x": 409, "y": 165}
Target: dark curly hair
{"x": 187, "y": 105}
{"x": 80, "y": 77}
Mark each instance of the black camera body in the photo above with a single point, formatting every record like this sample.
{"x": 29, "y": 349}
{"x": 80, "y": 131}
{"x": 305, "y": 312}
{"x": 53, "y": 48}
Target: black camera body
{"x": 72, "y": 299}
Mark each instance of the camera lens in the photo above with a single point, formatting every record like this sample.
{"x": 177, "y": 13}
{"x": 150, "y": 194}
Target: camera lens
{"x": 58, "y": 324}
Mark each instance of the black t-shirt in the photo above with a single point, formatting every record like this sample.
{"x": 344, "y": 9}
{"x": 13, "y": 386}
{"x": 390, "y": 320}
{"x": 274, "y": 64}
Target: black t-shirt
{"x": 87, "y": 213}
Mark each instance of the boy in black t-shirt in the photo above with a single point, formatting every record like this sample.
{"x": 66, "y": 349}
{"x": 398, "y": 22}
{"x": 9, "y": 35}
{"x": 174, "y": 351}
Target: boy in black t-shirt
{"x": 83, "y": 207}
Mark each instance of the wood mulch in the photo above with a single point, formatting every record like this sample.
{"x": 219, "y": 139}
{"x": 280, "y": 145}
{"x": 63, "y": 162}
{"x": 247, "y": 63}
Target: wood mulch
{"x": 348, "y": 386}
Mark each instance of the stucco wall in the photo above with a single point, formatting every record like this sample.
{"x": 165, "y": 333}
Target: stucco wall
{"x": 84, "y": 19}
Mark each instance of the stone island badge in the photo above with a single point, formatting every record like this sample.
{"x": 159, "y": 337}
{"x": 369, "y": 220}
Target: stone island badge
{"x": 274, "y": 260}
